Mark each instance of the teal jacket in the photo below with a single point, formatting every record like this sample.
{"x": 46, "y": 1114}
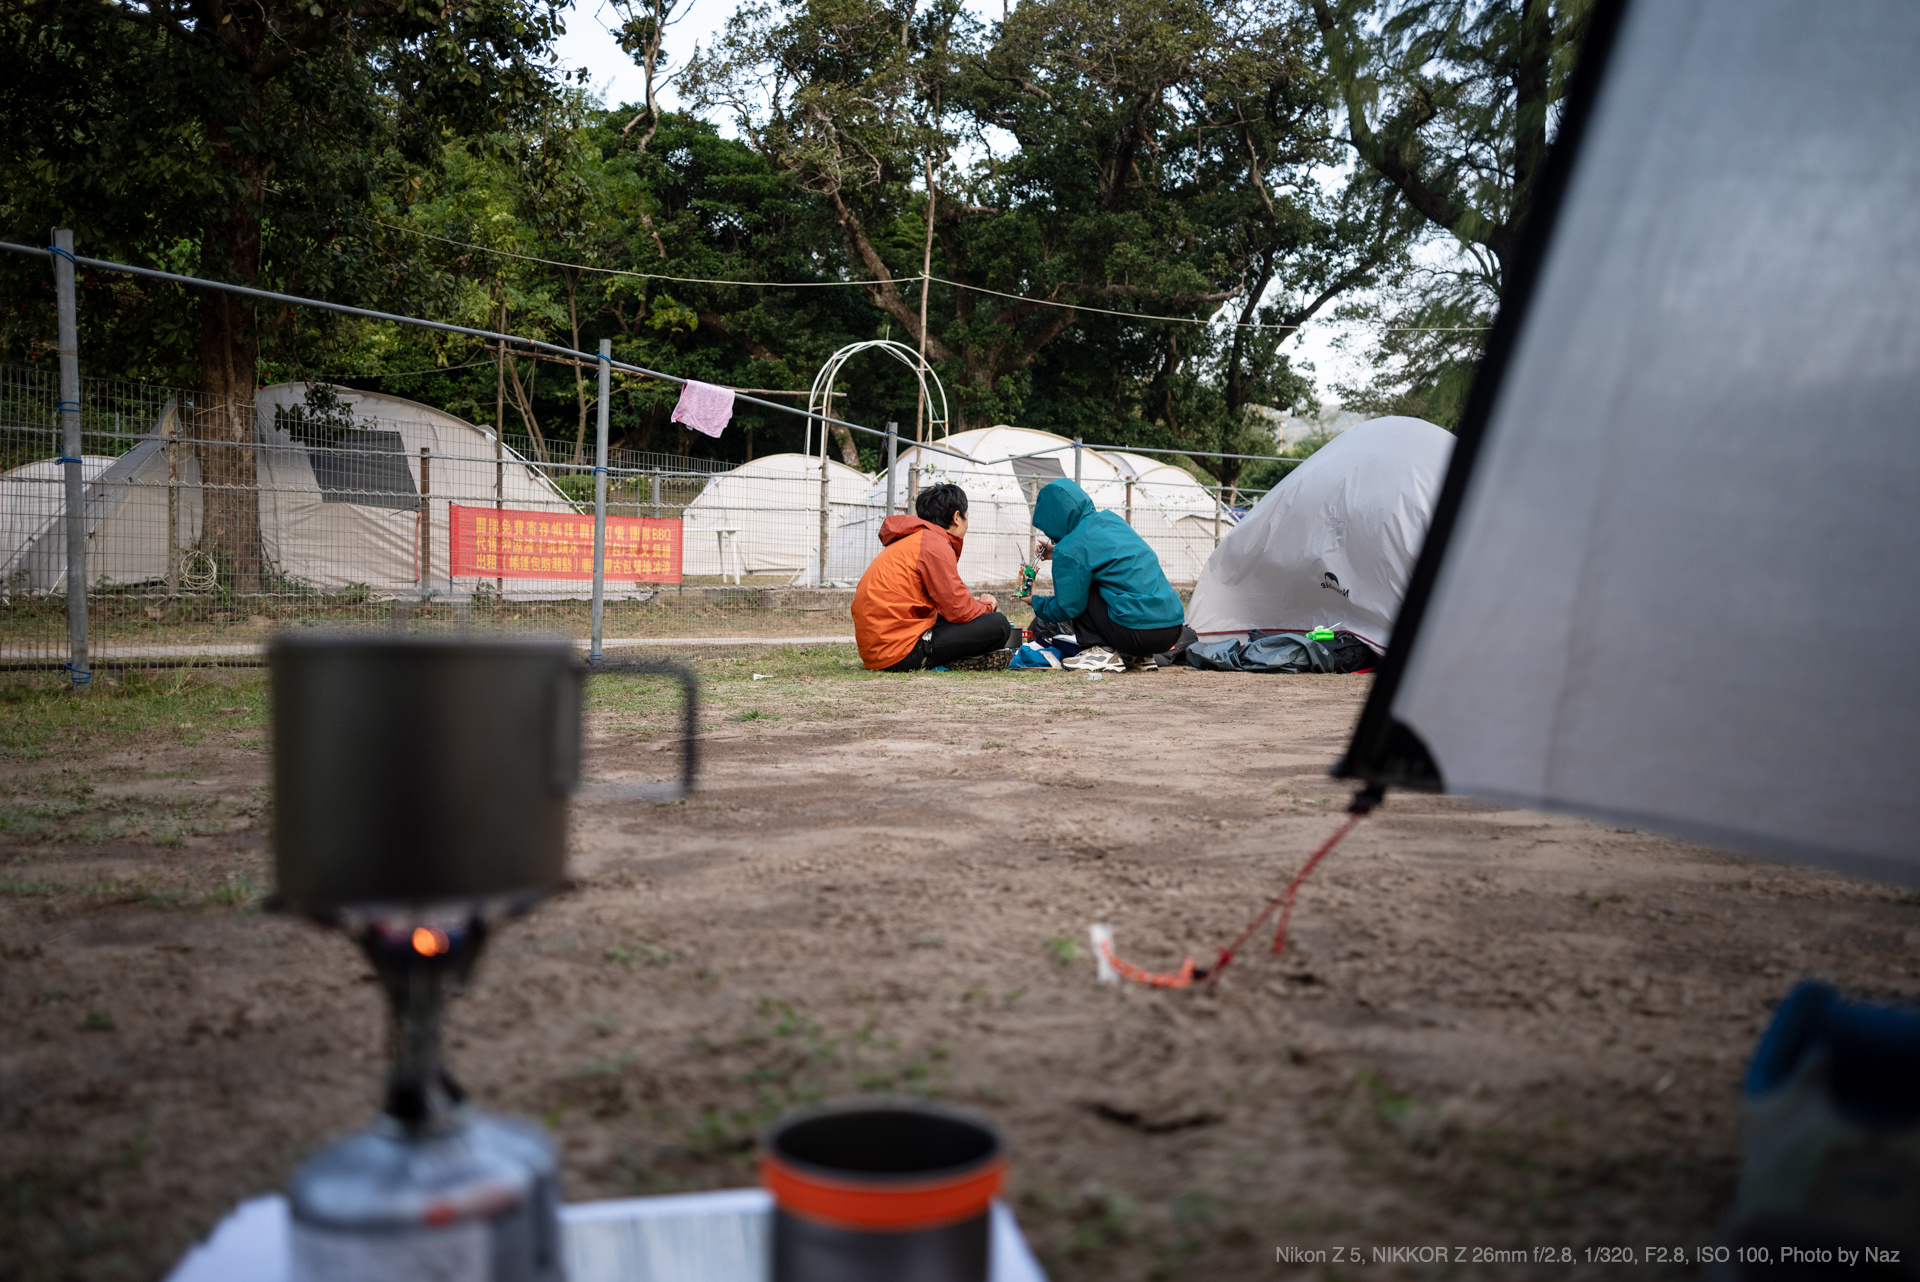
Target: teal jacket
{"x": 1091, "y": 548}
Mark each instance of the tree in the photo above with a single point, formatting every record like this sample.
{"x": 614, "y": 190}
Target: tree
{"x": 1159, "y": 168}
{"x": 276, "y": 119}
{"x": 1452, "y": 103}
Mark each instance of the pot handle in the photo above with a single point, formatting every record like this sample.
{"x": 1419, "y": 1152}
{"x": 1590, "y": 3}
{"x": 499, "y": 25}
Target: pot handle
{"x": 689, "y": 742}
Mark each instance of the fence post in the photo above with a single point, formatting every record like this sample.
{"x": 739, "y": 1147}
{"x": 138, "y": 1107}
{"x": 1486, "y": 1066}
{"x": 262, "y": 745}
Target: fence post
{"x": 170, "y": 430}
{"x": 79, "y": 669}
{"x": 893, "y": 453}
{"x": 822, "y": 581}
{"x": 499, "y": 432}
{"x": 600, "y": 500}
{"x": 426, "y": 522}
{"x": 1076, "y": 460}
{"x": 1217, "y": 505}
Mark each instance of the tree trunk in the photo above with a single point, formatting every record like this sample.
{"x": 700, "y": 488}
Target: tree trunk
{"x": 224, "y": 436}
{"x": 849, "y": 452}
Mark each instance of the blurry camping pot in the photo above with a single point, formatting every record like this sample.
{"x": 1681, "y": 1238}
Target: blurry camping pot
{"x": 881, "y": 1193}
{"x": 415, "y": 770}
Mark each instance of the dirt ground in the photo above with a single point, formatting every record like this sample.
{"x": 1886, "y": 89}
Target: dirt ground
{"x": 1492, "y": 1029}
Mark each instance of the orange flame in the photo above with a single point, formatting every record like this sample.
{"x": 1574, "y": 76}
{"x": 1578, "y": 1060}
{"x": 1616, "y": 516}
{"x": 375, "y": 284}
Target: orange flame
{"x": 429, "y": 942}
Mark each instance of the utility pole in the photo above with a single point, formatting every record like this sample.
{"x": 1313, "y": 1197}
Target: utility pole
{"x": 600, "y": 500}
{"x": 79, "y": 668}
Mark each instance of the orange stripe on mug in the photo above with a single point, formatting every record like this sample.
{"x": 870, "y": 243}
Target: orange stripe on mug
{"x": 902, "y": 1205}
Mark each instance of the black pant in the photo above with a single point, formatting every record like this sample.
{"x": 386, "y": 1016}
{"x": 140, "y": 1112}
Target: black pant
{"x": 945, "y": 642}
{"x": 1096, "y": 627}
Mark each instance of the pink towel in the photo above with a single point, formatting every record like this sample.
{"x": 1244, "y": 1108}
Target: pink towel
{"x": 704, "y": 407}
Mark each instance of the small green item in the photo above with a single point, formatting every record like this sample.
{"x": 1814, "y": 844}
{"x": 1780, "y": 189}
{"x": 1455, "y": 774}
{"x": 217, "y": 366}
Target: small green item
{"x": 1027, "y": 575}
{"x": 1321, "y": 634}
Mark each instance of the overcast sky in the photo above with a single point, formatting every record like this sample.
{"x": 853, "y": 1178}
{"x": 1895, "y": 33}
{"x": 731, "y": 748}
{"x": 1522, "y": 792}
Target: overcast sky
{"x": 589, "y": 44}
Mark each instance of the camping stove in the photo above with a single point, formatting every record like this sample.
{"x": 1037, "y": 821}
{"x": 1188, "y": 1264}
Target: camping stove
{"x": 433, "y": 1189}
{"x": 420, "y": 798}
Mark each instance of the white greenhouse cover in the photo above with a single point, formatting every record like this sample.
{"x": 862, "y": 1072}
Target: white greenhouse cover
{"x": 773, "y": 505}
{"x": 1683, "y": 587}
{"x": 1334, "y": 544}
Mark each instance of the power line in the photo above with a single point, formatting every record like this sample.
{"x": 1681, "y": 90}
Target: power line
{"x": 621, "y": 271}
{"x": 198, "y": 282}
{"x": 835, "y": 284}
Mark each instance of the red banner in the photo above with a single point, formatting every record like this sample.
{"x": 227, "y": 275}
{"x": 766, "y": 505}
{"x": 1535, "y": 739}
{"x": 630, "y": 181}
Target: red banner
{"x": 511, "y": 543}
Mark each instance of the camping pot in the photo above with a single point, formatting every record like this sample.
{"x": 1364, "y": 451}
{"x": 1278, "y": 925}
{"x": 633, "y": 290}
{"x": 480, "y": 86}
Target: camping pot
{"x": 411, "y": 770}
{"x": 881, "y": 1193}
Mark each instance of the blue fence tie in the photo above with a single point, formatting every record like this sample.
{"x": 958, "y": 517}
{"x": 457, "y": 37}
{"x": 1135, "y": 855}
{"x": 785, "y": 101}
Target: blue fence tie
{"x": 64, "y": 459}
{"x": 55, "y": 249}
{"x": 79, "y": 676}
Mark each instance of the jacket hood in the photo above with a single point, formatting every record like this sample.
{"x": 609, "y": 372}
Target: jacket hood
{"x": 898, "y": 526}
{"x": 1061, "y": 507}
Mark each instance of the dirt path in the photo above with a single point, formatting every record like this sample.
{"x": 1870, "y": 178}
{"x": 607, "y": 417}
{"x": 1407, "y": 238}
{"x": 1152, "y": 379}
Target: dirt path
{"x": 1492, "y": 1029}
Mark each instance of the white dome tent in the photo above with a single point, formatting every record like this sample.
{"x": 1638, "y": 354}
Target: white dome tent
{"x": 1333, "y": 545}
{"x": 772, "y": 507}
{"x": 1003, "y": 469}
{"x": 33, "y": 497}
{"x": 331, "y": 517}
{"x": 338, "y": 518}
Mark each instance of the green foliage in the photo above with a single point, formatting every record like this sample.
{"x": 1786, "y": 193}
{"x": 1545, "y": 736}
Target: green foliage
{"x": 1451, "y": 103}
{"x": 1128, "y": 196}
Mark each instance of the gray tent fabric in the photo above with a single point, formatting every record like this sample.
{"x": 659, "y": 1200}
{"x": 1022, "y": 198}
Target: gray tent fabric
{"x": 1692, "y": 448}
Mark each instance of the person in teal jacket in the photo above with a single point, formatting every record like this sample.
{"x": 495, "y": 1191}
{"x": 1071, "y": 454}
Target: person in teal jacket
{"x": 1107, "y": 583}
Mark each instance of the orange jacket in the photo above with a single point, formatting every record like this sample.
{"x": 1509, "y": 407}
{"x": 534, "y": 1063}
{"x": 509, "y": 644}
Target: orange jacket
{"x": 914, "y": 580}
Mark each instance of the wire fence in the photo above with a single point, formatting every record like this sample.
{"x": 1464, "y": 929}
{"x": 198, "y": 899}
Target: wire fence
{"x": 211, "y": 524}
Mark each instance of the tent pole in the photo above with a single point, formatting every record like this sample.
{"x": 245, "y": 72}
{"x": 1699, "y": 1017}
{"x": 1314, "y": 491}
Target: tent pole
{"x": 893, "y": 453}
{"x": 71, "y": 446}
{"x": 600, "y": 500}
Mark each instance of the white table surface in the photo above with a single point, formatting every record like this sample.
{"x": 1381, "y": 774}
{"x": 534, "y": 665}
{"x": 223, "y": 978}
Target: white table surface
{"x": 692, "y": 1237}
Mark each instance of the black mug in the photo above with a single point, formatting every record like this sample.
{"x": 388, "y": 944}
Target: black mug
{"x": 413, "y": 770}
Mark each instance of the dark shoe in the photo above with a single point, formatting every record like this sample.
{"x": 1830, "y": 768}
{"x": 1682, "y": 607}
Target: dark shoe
{"x": 991, "y": 661}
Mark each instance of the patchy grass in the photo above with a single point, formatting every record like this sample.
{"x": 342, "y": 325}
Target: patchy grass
{"x": 68, "y": 807}
{"x": 41, "y": 715}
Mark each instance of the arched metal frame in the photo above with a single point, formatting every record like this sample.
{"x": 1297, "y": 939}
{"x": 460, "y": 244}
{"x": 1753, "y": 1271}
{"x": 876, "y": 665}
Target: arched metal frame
{"x": 821, "y": 396}
{"x": 820, "y": 401}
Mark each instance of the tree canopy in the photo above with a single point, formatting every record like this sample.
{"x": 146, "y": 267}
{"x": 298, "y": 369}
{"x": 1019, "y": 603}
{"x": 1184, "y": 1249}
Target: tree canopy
{"x": 1112, "y": 214}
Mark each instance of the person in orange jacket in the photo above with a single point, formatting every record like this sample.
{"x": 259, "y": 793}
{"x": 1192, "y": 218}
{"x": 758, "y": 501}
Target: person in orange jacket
{"x": 911, "y": 609}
